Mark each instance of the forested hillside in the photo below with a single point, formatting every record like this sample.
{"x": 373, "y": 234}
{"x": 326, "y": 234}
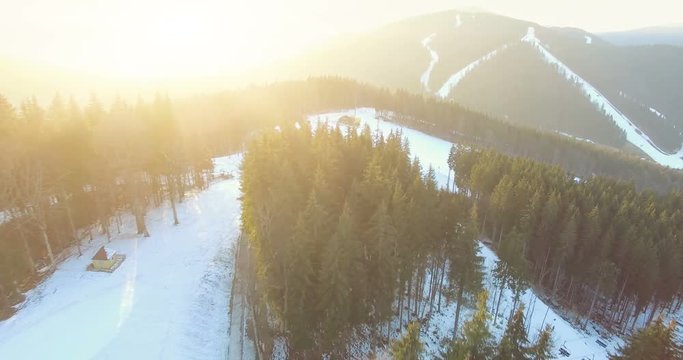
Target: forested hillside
{"x": 642, "y": 81}
{"x": 286, "y": 102}
{"x": 64, "y": 164}
{"x": 344, "y": 228}
{"x": 548, "y": 101}
{"x": 597, "y": 246}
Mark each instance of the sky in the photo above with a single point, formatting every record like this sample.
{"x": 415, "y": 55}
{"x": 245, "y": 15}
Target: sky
{"x": 141, "y": 39}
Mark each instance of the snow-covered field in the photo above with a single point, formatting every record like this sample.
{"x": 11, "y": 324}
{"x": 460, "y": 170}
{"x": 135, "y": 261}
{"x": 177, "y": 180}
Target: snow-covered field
{"x": 634, "y": 135}
{"x": 167, "y": 300}
{"x": 434, "y": 151}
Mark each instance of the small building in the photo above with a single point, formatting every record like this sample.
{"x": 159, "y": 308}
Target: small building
{"x": 349, "y": 121}
{"x": 106, "y": 260}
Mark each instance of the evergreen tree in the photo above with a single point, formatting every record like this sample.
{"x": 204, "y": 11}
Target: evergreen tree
{"x": 654, "y": 342}
{"x": 543, "y": 347}
{"x": 409, "y": 346}
{"x": 475, "y": 343}
{"x": 466, "y": 272}
{"x": 514, "y": 344}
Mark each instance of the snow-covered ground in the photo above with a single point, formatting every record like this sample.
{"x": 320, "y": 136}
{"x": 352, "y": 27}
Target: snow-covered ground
{"x": 167, "y": 300}
{"x": 580, "y": 344}
{"x": 424, "y": 79}
{"x": 634, "y": 135}
{"x": 454, "y": 79}
{"x": 434, "y": 151}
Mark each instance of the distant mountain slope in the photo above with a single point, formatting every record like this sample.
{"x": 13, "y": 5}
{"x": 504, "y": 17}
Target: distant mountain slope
{"x": 475, "y": 59}
{"x": 642, "y": 81}
{"x": 548, "y": 101}
{"x": 657, "y": 35}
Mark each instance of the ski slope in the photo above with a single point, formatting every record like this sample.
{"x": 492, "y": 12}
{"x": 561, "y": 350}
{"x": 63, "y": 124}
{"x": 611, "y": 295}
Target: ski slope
{"x": 167, "y": 300}
{"x": 424, "y": 79}
{"x": 434, "y": 151}
{"x": 455, "y": 79}
{"x": 634, "y": 135}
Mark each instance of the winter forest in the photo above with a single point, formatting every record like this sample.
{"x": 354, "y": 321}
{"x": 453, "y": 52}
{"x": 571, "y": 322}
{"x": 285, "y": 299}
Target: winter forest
{"x": 346, "y": 236}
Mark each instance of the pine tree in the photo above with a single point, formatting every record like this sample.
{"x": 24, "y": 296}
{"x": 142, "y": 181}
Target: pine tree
{"x": 335, "y": 282}
{"x": 514, "y": 344}
{"x": 466, "y": 271}
{"x": 409, "y": 346}
{"x": 543, "y": 347}
{"x": 475, "y": 343}
{"x": 654, "y": 342}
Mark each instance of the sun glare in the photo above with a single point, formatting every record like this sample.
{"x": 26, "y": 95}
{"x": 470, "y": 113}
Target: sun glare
{"x": 174, "y": 43}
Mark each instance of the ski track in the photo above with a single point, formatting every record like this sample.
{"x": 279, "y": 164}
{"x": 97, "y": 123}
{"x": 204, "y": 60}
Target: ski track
{"x": 455, "y": 79}
{"x": 424, "y": 79}
{"x": 167, "y": 300}
{"x": 633, "y": 134}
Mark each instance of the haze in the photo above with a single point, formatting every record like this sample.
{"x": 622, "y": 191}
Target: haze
{"x": 134, "y": 39}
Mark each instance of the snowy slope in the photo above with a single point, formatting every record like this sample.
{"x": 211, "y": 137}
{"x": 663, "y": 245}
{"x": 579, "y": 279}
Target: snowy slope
{"x": 454, "y": 79}
{"x": 634, "y": 135}
{"x": 434, "y": 151}
{"x": 167, "y": 300}
{"x": 579, "y": 343}
{"x": 424, "y": 79}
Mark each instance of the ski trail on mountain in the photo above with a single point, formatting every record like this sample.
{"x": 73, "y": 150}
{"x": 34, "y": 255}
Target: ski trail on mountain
{"x": 424, "y": 79}
{"x": 455, "y": 79}
{"x": 634, "y": 135}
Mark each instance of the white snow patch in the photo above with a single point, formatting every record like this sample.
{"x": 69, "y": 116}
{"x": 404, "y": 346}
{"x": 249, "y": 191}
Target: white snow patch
{"x": 659, "y": 114}
{"x": 589, "y": 40}
{"x": 458, "y": 21}
{"x": 110, "y": 252}
{"x": 167, "y": 300}
{"x": 424, "y": 79}
{"x": 633, "y": 134}
{"x": 576, "y": 137}
{"x": 454, "y": 79}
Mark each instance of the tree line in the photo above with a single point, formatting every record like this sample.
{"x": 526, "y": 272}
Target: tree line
{"x": 477, "y": 341}
{"x": 596, "y": 245}
{"x": 451, "y": 121}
